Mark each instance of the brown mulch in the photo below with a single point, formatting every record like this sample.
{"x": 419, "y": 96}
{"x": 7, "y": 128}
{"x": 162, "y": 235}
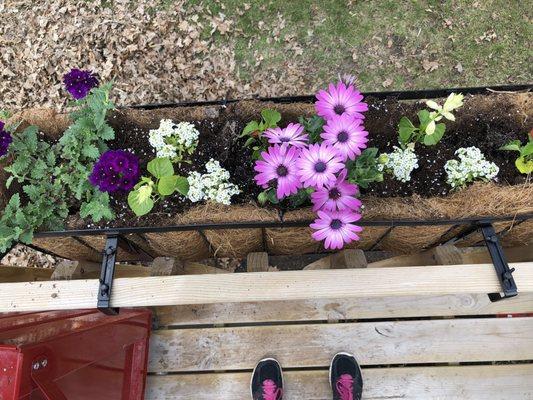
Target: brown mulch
{"x": 154, "y": 54}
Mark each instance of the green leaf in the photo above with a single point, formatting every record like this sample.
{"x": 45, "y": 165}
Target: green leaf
{"x": 301, "y": 197}
{"x": 249, "y": 141}
{"x": 160, "y": 167}
{"x": 250, "y": 127}
{"x": 525, "y": 167}
{"x": 140, "y": 201}
{"x": 167, "y": 185}
{"x": 9, "y": 181}
{"x": 513, "y": 145}
{"x": 271, "y": 196}
{"x": 406, "y": 130}
{"x": 106, "y": 132}
{"x": 313, "y": 126}
{"x": 90, "y": 151}
{"x": 26, "y": 237}
{"x": 424, "y": 118}
{"x": 271, "y": 117}
{"x": 182, "y": 185}
{"x": 97, "y": 208}
{"x": 30, "y": 138}
{"x": 527, "y": 150}
{"x": 262, "y": 198}
{"x": 431, "y": 140}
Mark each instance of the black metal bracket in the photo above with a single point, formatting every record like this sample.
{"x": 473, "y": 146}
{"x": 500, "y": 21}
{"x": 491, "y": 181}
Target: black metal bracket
{"x": 505, "y": 274}
{"x": 106, "y": 275}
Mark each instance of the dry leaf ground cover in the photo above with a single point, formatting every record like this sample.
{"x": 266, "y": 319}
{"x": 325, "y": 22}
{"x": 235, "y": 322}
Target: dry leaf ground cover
{"x": 175, "y": 50}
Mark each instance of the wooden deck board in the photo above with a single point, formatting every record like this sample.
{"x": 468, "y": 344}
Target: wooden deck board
{"x": 494, "y": 382}
{"x": 373, "y": 343}
{"x": 262, "y": 286}
{"x": 341, "y": 309}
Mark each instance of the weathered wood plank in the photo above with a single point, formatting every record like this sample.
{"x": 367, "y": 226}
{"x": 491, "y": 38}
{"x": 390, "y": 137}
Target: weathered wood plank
{"x": 261, "y": 286}
{"x": 495, "y": 382}
{"x": 341, "y": 309}
{"x": 23, "y": 274}
{"x": 166, "y": 266}
{"x": 452, "y": 255}
{"x": 256, "y": 262}
{"x": 349, "y": 258}
{"x": 312, "y": 345}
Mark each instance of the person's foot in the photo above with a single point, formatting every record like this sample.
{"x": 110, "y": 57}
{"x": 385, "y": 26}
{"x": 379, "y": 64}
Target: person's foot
{"x": 267, "y": 380}
{"x": 345, "y": 377}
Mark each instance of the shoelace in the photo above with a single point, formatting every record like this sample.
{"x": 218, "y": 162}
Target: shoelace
{"x": 344, "y": 387}
{"x": 271, "y": 391}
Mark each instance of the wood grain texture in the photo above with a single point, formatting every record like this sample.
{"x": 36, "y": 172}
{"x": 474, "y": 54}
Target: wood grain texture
{"x": 494, "y": 382}
{"x": 313, "y": 345}
{"x": 341, "y": 309}
{"x": 262, "y": 286}
{"x": 256, "y": 262}
{"x": 23, "y": 274}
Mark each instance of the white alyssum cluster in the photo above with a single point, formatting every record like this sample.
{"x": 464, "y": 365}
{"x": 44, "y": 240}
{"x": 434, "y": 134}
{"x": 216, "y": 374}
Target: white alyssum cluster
{"x": 214, "y": 185}
{"x": 170, "y": 139}
{"x": 471, "y": 165}
{"x": 401, "y": 163}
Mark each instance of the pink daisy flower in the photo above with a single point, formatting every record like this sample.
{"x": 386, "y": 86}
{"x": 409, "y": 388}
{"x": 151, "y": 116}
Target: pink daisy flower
{"x": 337, "y": 196}
{"x": 339, "y": 100}
{"x": 318, "y": 165}
{"x": 336, "y": 228}
{"x": 347, "y": 134}
{"x": 279, "y": 164}
{"x": 292, "y": 134}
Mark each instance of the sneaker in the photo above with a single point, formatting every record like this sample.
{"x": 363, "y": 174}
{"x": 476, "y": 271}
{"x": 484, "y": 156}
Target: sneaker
{"x": 267, "y": 380}
{"x": 345, "y": 377}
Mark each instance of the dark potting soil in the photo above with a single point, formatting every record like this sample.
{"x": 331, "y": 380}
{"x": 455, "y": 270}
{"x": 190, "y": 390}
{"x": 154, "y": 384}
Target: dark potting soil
{"x": 485, "y": 121}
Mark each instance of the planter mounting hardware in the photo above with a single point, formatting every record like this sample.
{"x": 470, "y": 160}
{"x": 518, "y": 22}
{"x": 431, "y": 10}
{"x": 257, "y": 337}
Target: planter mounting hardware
{"x": 107, "y": 273}
{"x": 505, "y": 274}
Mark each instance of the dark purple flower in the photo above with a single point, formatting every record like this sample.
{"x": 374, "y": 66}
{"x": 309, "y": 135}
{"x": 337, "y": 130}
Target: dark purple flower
{"x": 5, "y": 140}
{"x": 79, "y": 83}
{"x": 116, "y": 170}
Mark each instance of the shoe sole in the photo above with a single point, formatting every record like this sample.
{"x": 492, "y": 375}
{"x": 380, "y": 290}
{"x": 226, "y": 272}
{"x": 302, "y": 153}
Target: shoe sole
{"x": 342, "y": 353}
{"x": 253, "y": 373}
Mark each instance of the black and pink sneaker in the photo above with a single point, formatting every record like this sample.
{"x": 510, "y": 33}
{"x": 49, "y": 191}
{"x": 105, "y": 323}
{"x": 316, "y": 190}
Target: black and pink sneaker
{"x": 345, "y": 377}
{"x": 267, "y": 380}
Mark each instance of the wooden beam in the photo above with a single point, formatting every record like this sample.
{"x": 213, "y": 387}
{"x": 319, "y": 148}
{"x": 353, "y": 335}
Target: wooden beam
{"x": 341, "y": 309}
{"x": 349, "y": 258}
{"x": 166, "y": 266}
{"x": 262, "y": 286}
{"x": 24, "y": 274}
{"x": 452, "y": 255}
{"x": 479, "y": 382}
{"x": 372, "y": 343}
{"x": 257, "y": 262}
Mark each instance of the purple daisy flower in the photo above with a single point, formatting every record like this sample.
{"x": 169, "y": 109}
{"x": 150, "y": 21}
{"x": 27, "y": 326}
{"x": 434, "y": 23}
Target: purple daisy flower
{"x": 337, "y": 196}
{"x": 346, "y": 134}
{"x": 116, "y": 170}
{"x": 292, "y": 134}
{"x": 278, "y": 164}
{"x": 340, "y": 100}
{"x": 336, "y": 228}
{"x": 318, "y": 165}
{"x": 5, "y": 140}
{"x": 79, "y": 83}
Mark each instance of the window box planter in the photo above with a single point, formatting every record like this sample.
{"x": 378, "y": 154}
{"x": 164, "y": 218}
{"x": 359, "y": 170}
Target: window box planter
{"x": 397, "y": 217}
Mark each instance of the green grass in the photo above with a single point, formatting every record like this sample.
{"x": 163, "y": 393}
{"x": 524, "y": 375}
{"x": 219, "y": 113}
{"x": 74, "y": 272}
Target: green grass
{"x": 380, "y": 40}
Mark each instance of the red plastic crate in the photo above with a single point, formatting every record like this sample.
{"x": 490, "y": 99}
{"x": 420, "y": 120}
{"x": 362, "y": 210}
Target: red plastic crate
{"x": 78, "y": 355}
